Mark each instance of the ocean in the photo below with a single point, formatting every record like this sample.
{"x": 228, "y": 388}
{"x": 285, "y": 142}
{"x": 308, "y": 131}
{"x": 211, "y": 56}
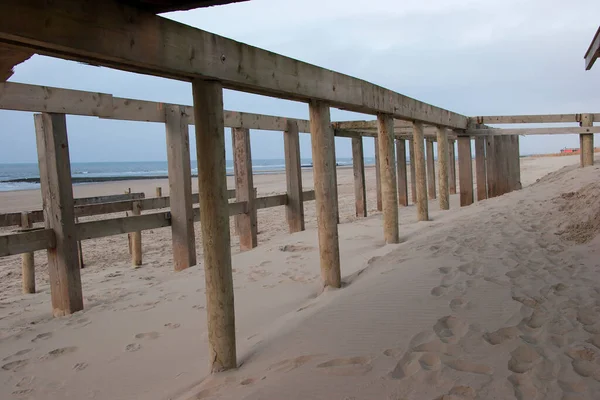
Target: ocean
{"x": 26, "y": 176}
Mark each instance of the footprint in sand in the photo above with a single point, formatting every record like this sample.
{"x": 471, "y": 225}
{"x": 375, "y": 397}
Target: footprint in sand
{"x": 459, "y": 393}
{"x": 351, "y": 366}
{"x": 450, "y": 329}
{"x": 23, "y": 393}
{"x": 501, "y": 335}
{"x": 17, "y": 354}
{"x": 294, "y": 248}
{"x": 42, "y": 336}
{"x": 293, "y": 363}
{"x": 80, "y": 366}
{"x": 407, "y": 366}
{"x": 438, "y": 291}
{"x": 59, "y": 352}
{"x": 15, "y": 365}
{"x": 147, "y": 335}
{"x": 133, "y": 347}
{"x": 172, "y": 326}
{"x": 469, "y": 366}
{"x": 523, "y": 359}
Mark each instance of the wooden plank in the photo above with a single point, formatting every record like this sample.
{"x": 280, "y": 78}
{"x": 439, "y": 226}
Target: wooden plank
{"x": 308, "y": 195}
{"x": 323, "y": 153}
{"x": 358, "y": 169}
{"x": 452, "y": 170}
{"x": 244, "y": 188}
{"x": 293, "y": 178}
{"x": 480, "y": 172}
{"x": 587, "y": 141}
{"x": 420, "y": 173}
{"x": 26, "y": 242}
{"x": 465, "y": 171}
{"x": 525, "y": 119}
{"x": 116, "y": 226}
{"x": 190, "y": 53}
{"x": 183, "y": 237}
{"x": 216, "y": 243}
{"x": 491, "y": 166}
{"x": 531, "y": 131}
{"x": 85, "y": 201}
{"x": 443, "y": 168}
{"x": 413, "y": 176}
{"x": 57, "y": 199}
{"x": 593, "y": 52}
{"x": 27, "y": 261}
{"x": 430, "y": 169}
{"x": 377, "y": 176}
{"x": 271, "y": 201}
{"x": 517, "y": 161}
{"x": 401, "y": 172}
{"x": 387, "y": 171}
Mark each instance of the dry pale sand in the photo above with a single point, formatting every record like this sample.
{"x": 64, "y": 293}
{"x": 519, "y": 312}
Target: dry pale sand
{"x": 492, "y": 301}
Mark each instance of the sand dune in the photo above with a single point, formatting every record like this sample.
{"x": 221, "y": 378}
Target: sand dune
{"x": 497, "y": 300}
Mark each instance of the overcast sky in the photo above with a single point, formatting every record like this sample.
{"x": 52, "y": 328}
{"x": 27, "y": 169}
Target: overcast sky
{"x": 475, "y": 57}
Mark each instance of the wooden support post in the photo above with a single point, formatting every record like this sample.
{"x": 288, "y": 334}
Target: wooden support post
{"x": 452, "y": 170}
{"x": 244, "y": 187}
{"x": 430, "y": 169}
{"x": 443, "y": 167}
{"x": 183, "y": 236}
{"x": 587, "y": 141}
{"x": 358, "y": 166}
{"x": 214, "y": 220}
{"x": 335, "y": 185}
{"x": 420, "y": 174}
{"x": 322, "y": 140}
{"x": 59, "y": 214}
{"x": 377, "y": 177}
{"x": 136, "y": 237}
{"x": 79, "y": 249}
{"x": 387, "y": 171}
{"x": 293, "y": 175}
{"x": 517, "y": 167}
{"x": 480, "y": 171}
{"x": 413, "y": 176}
{"x": 465, "y": 170}
{"x": 491, "y": 166}
{"x": 158, "y": 191}
{"x": 27, "y": 260}
{"x": 500, "y": 149}
{"x": 401, "y": 172}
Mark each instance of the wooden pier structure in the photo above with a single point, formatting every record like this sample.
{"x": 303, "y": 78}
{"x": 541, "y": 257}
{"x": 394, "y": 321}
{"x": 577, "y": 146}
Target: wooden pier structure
{"x": 128, "y": 35}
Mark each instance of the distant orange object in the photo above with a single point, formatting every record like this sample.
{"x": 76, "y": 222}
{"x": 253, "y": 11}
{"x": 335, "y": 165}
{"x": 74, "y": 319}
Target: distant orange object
{"x": 569, "y": 151}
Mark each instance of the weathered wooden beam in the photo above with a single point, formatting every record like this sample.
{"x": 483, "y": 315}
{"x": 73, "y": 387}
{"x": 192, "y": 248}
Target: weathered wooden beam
{"x": 377, "y": 176}
{"x": 452, "y": 170}
{"x": 587, "y": 141}
{"x": 183, "y": 237}
{"x": 387, "y": 171}
{"x": 27, "y": 261}
{"x": 430, "y": 169}
{"x": 323, "y": 153}
{"x": 116, "y": 226}
{"x": 465, "y": 171}
{"x": 480, "y": 172}
{"x": 85, "y": 201}
{"x": 244, "y": 188}
{"x": 214, "y": 214}
{"x": 136, "y": 237}
{"x": 420, "y": 173}
{"x": 530, "y": 131}
{"x": 443, "y": 168}
{"x": 26, "y": 242}
{"x": 293, "y": 178}
{"x": 525, "y": 119}
{"x": 57, "y": 199}
{"x": 127, "y": 38}
{"x": 593, "y": 52}
{"x": 275, "y": 200}
{"x": 401, "y": 173}
{"x": 413, "y": 175}
{"x": 491, "y": 166}
{"x": 358, "y": 169}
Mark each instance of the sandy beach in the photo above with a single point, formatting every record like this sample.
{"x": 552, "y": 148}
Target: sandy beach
{"x": 498, "y": 300}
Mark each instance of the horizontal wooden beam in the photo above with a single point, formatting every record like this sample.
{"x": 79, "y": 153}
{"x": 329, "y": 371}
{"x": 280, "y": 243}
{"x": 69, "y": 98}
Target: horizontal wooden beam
{"x": 593, "y": 52}
{"x": 26, "y": 242}
{"x": 84, "y": 201}
{"x": 117, "y": 226}
{"x": 526, "y": 119}
{"x": 530, "y": 131}
{"x": 123, "y": 37}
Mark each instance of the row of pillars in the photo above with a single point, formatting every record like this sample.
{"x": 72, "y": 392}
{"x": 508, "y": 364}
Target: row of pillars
{"x": 213, "y": 200}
